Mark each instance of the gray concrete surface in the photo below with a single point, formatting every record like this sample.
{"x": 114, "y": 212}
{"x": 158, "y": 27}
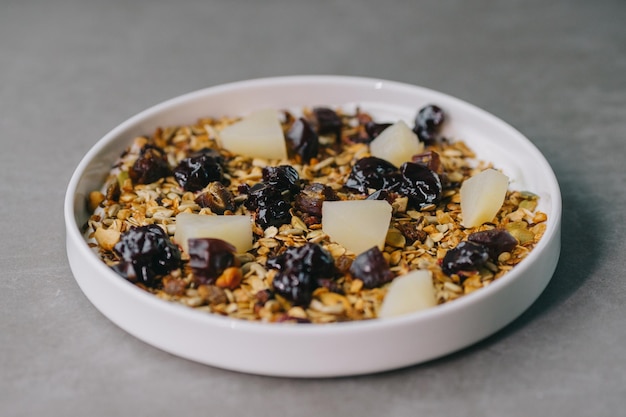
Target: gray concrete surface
{"x": 70, "y": 70}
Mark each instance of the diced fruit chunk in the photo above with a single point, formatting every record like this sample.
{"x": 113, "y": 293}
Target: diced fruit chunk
{"x": 258, "y": 135}
{"x": 482, "y": 196}
{"x": 396, "y": 144}
{"x": 408, "y": 293}
{"x": 357, "y": 225}
{"x": 236, "y": 230}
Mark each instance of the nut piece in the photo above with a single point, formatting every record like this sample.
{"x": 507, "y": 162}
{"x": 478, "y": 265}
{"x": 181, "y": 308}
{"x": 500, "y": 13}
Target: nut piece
{"x": 107, "y": 238}
{"x": 230, "y": 278}
{"x": 94, "y": 200}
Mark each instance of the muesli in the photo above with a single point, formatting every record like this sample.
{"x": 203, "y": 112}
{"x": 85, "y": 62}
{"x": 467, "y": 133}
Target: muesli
{"x": 310, "y": 216}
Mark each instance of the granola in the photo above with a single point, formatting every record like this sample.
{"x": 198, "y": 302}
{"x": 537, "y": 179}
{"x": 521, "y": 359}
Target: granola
{"x": 418, "y": 236}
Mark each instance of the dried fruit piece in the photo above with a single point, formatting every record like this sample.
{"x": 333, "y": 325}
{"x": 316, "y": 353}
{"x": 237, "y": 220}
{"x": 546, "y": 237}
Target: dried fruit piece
{"x": 150, "y": 166}
{"x": 197, "y": 171}
{"x": 420, "y": 184}
{"x": 396, "y": 144}
{"x": 209, "y": 258}
{"x": 371, "y": 268}
{"x": 372, "y": 173}
{"x": 328, "y": 121}
{"x": 216, "y": 197}
{"x": 303, "y": 140}
{"x": 299, "y": 272}
{"x": 257, "y": 135}
{"x": 237, "y": 230}
{"x": 312, "y": 196}
{"x": 270, "y": 205}
{"x": 357, "y": 225}
{"x": 482, "y": 196}
{"x": 428, "y": 123}
{"x": 465, "y": 257}
{"x": 146, "y": 253}
{"x": 496, "y": 241}
{"x": 409, "y": 293}
{"x": 282, "y": 177}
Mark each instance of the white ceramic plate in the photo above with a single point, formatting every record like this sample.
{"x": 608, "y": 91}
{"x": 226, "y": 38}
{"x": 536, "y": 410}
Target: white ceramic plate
{"x": 319, "y": 350}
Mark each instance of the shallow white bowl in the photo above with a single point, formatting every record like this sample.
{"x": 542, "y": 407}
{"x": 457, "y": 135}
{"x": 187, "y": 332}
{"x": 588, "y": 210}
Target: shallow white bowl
{"x": 318, "y": 350}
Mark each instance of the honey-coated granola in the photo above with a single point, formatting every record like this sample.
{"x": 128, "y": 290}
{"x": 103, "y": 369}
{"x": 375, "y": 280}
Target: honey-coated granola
{"x": 418, "y": 237}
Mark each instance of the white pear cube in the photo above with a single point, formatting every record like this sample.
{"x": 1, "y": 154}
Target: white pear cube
{"x": 357, "y": 225}
{"x": 408, "y": 293}
{"x": 396, "y": 144}
{"x": 257, "y": 135}
{"x": 236, "y": 230}
{"x": 482, "y": 196}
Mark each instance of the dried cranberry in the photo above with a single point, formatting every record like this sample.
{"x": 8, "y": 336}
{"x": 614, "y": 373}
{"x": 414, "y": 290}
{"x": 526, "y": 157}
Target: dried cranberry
{"x": 312, "y": 196}
{"x": 303, "y": 140}
{"x": 146, "y": 253}
{"x": 371, "y": 268}
{"x": 282, "y": 177}
{"x": 300, "y": 270}
{"x": 208, "y": 258}
{"x": 216, "y": 197}
{"x": 496, "y": 241}
{"x": 466, "y": 257}
{"x": 328, "y": 121}
{"x": 421, "y": 185}
{"x": 150, "y": 166}
{"x": 372, "y": 172}
{"x": 428, "y": 123}
{"x": 195, "y": 172}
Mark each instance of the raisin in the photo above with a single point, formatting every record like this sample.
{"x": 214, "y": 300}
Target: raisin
{"x": 421, "y": 185}
{"x": 496, "y": 241}
{"x": 216, "y": 197}
{"x": 300, "y": 270}
{"x": 197, "y": 171}
{"x": 150, "y": 166}
{"x": 146, "y": 253}
{"x": 372, "y": 172}
{"x": 312, "y": 196}
{"x": 303, "y": 140}
{"x": 371, "y": 268}
{"x": 465, "y": 257}
{"x": 428, "y": 123}
{"x": 208, "y": 258}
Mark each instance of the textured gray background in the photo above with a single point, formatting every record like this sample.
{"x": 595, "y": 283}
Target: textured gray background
{"x": 72, "y": 70}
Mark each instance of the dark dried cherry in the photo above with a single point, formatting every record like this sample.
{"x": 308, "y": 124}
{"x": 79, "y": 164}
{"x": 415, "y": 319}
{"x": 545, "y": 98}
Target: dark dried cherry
{"x": 372, "y": 172}
{"x": 465, "y": 257}
{"x": 269, "y": 203}
{"x": 146, "y": 253}
{"x": 374, "y": 129}
{"x": 428, "y": 123}
{"x": 328, "y": 121}
{"x": 303, "y": 140}
{"x": 282, "y": 177}
{"x": 208, "y": 258}
{"x": 150, "y": 166}
{"x": 421, "y": 185}
{"x": 496, "y": 241}
{"x": 300, "y": 270}
{"x": 371, "y": 268}
{"x": 197, "y": 171}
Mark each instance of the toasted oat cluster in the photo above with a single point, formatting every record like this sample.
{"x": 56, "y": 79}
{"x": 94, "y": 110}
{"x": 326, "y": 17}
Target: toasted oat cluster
{"x": 294, "y": 271}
